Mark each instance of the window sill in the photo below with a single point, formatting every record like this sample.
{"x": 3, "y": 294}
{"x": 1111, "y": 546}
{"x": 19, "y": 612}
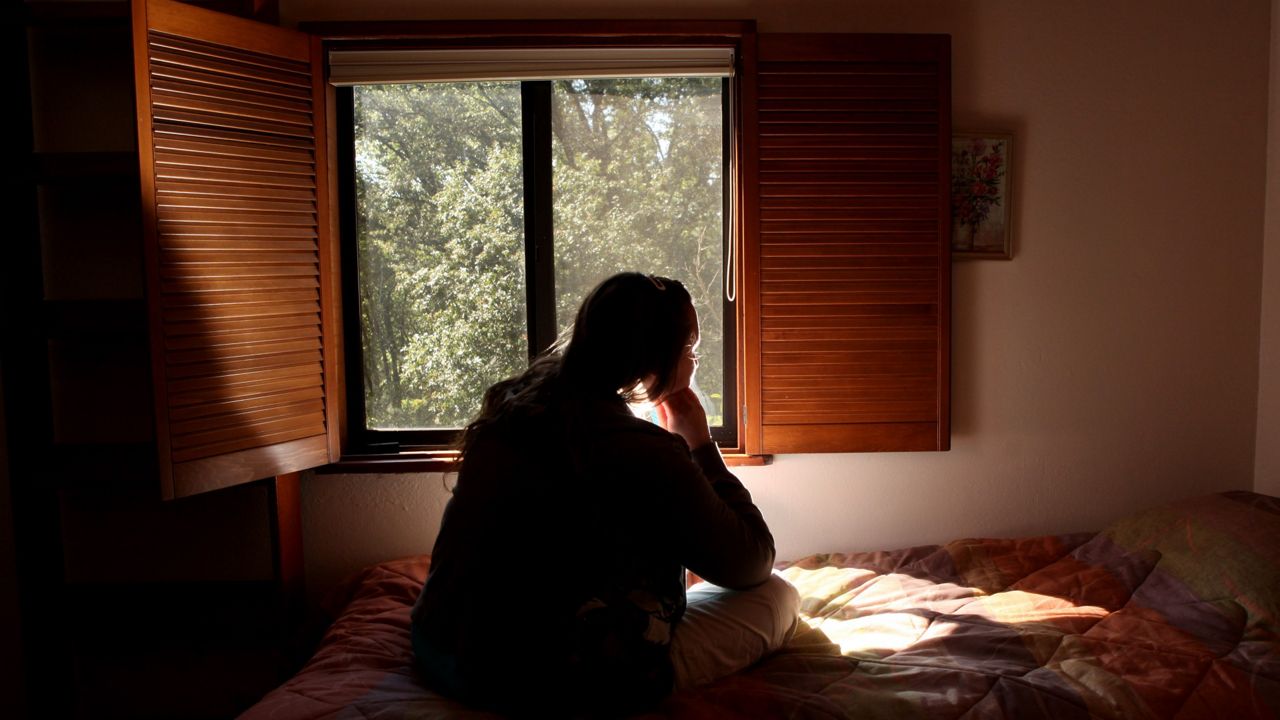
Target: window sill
{"x": 446, "y": 460}
{"x": 741, "y": 460}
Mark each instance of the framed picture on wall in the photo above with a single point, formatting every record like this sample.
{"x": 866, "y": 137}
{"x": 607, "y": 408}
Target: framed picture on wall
{"x": 980, "y": 203}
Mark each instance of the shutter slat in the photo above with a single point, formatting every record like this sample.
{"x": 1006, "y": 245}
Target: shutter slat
{"x": 198, "y": 285}
{"x": 852, "y": 190}
{"x": 174, "y": 63}
{"x": 189, "y": 203}
{"x": 802, "y": 280}
{"x": 212, "y": 271}
{"x": 197, "y": 396}
{"x": 184, "y": 313}
{"x": 270, "y": 412}
{"x": 298, "y": 70}
{"x": 227, "y": 121}
{"x": 170, "y": 104}
{"x": 246, "y": 443}
{"x": 837, "y": 436}
{"x": 224, "y": 380}
{"x": 779, "y": 141}
{"x": 227, "y": 149}
{"x": 858, "y": 297}
{"x": 183, "y": 174}
{"x": 857, "y": 343}
{"x": 232, "y": 141}
{"x": 232, "y": 365}
{"x": 846, "y": 66}
{"x": 776, "y": 337}
{"x": 195, "y": 161}
{"x": 850, "y": 88}
{"x": 852, "y": 244}
{"x": 888, "y": 310}
{"x": 792, "y": 268}
{"x": 815, "y": 114}
{"x": 209, "y": 350}
{"x": 207, "y": 103}
{"x": 797, "y": 226}
{"x": 233, "y": 217}
{"x": 205, "y": 190}
{"x": 220, "y": 95}
{"x": 871, "y": 412}
{"x": 246, "y": 404}
{"x": 827, "y": 247}
{"x": 249, "y": 297}
{"x": 860, "y": 317}
{"x": 853, "y": 385}
{"x": 773, "y": 104}
{"x": 233, "y": 326}
{"x": 266, "y": 256}
{"x": 251, "y": 244}
{"x": 260, "y": 426}
{"x": 892, "y": 388}
{"x": 834, "y": 131}
{"x": 910, "y": 168}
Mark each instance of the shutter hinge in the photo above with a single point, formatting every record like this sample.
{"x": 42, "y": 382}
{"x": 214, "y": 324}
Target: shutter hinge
{"x": 744, "y": 414}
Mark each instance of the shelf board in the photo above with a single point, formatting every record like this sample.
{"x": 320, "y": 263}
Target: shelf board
{"x": 57, "y": 14}
{"x": 116, "y": 470}
{"x": 119, "y": 321}
{"x": 52, "y": 167}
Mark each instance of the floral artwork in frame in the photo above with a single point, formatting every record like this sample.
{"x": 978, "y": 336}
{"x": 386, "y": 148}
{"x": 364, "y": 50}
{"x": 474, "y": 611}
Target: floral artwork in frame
{"x": 980, "y": 224}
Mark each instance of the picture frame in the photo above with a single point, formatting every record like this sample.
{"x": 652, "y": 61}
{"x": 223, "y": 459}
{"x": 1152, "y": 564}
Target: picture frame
{"x": 981, "y": 199}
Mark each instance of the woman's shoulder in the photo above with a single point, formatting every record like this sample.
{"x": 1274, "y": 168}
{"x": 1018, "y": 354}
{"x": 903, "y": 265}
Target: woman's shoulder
{"x": 624, "y": 435}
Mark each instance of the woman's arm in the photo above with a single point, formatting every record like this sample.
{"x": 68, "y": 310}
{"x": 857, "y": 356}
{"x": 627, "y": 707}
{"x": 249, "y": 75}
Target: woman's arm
{"x": 719, "y": 532}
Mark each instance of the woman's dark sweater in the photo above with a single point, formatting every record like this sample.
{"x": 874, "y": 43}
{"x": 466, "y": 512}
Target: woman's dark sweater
{"x": 557, "y": 577}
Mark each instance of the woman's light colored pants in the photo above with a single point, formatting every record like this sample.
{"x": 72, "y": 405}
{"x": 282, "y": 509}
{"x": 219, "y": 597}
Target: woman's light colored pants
{"x": 724, "y": 631}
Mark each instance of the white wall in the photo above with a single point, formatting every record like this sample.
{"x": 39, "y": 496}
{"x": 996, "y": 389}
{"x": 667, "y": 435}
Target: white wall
{"x": 1266, "y": 478}
{"x": 1111, "y": 365}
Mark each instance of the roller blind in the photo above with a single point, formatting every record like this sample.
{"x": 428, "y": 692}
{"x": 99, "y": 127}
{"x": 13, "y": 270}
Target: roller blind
{"x": 354, "y": 67}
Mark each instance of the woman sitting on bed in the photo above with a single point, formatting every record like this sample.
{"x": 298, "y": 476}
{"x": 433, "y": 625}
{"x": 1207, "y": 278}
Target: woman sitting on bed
{"x": 557, "y": 580}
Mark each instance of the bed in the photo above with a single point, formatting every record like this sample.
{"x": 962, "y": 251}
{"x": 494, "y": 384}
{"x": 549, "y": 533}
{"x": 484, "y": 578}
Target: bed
{"x": 1171, "y": 613}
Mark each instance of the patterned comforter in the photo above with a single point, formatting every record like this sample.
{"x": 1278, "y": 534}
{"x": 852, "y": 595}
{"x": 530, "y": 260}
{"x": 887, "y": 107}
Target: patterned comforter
{"x": 1173, "y": 613}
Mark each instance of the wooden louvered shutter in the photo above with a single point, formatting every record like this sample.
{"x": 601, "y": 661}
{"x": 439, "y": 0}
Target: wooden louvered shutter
{"x": 237, "y": 249}
{"x": 852, "y": 304}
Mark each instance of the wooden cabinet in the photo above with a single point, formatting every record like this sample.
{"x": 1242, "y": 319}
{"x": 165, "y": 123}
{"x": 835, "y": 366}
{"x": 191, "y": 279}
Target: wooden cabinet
{"x": 121, "y": 594}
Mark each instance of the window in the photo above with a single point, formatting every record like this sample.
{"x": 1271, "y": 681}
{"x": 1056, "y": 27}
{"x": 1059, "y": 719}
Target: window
{"x": 840, "y": 187}
{"x": 482, "y": 211}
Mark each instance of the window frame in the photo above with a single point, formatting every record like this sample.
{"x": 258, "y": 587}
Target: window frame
{"x": 364, "y": 450}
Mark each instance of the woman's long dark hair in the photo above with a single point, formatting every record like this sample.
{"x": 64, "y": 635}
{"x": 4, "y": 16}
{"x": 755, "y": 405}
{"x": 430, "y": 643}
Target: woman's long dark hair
{"x": 630, "y": 327}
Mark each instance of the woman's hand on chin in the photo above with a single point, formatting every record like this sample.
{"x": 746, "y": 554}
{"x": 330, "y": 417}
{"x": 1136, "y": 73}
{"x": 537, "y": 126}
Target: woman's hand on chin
{"x": 681, "y": 413}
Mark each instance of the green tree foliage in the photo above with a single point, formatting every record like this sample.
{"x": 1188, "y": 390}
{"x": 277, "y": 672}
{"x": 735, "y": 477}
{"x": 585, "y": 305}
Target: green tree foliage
{"x": 637, "y": 186}
{"x": 638, "y": 183}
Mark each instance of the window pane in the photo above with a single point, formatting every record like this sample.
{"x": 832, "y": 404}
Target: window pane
{"x": 638, "y": 170}
{"x": 440, "y": 227}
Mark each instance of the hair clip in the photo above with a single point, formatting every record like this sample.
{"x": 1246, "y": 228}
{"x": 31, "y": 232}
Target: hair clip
{"x": 656, "y": 282}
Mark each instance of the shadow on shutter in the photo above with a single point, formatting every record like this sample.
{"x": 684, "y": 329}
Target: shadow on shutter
{"x": 853, "y": 151}
{"x": 227, "y": 134}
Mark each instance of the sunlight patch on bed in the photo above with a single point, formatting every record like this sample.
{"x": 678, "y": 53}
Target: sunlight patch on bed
{"x": 894, "y": 612}
{"x": 877, "y": 635}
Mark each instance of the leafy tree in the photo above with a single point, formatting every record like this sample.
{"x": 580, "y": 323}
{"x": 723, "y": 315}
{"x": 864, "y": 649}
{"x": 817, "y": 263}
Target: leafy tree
{"x": 638, "y": 170}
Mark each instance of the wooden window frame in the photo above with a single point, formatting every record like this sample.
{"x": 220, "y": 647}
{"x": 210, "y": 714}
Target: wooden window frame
{"x": 539, "y": 270}
{"x": 739, "y": 35}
